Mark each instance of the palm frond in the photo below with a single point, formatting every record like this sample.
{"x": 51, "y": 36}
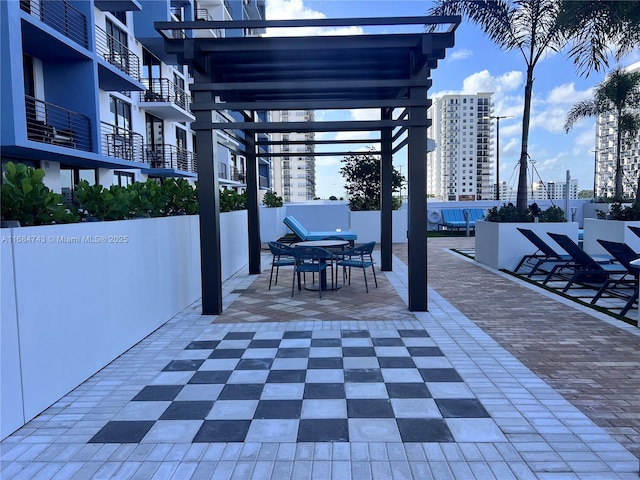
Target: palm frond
{"x": 580, "y": 110}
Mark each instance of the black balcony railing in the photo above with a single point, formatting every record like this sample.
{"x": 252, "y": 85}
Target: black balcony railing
{"x": 170, "y": 156}
{"x": 238, "y": 175}
{"x": 117, "y": 54}
{"x": 49, "y": 123}
{"x": 121, "y": 143}
{"x": 61, "y": 16}
{"x": 164, "y": 90}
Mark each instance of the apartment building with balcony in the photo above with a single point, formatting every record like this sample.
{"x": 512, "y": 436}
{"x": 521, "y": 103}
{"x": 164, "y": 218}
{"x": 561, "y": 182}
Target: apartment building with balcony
{"x": 89, "y": 92}
{"x": 461, "y": 167}
{"x": 294, "y": 164}
{"x": 605, "y": 156}
{"x": 554, "y": 190}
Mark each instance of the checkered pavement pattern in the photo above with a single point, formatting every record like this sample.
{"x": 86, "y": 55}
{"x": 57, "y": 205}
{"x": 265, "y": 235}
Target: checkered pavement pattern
{"x": 387, "y": 385}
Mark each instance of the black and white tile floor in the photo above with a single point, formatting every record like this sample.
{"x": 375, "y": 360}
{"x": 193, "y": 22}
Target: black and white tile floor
{"x": 302, "y": 386}
{"x": 430, "y": 397}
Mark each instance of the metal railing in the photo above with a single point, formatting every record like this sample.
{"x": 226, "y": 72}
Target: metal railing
{"x": 164, "y": 90}
{"x": 121, "y": 143}
{"x": 52, "y": 124}
{"x": 61, "y": 16}
{"x": 238, "y": 175}
{"x": 170, "y": 156}
{"x": 203, "y": 14}
{"x": 117, "y": 54}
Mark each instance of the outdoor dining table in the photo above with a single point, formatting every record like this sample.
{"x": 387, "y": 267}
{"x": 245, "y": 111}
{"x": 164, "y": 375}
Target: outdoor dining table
{"x": 328, "y": 244}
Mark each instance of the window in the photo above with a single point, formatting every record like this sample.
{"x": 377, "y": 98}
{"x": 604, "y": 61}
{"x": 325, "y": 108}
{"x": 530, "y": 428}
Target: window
{"x": 124, "y": 179}
{"x": 120, "y": 113}
{"x": 150, "y": 65}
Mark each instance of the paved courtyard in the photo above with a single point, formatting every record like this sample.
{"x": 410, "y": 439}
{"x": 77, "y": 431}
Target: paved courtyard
{"x": 498, "y": 380}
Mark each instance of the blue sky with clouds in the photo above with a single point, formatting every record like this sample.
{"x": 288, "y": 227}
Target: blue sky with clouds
{"x": 477, "y": 65}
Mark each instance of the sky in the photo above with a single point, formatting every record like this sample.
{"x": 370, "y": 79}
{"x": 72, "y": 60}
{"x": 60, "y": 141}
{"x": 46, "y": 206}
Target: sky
{"x": 473, "y": 65}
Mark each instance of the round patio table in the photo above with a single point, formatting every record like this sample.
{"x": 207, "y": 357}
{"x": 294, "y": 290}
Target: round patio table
{"x": 328, "y": 243}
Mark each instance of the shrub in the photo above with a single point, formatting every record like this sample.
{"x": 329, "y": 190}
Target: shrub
{"x": 509, "y": 213}
{"x": 552, "y": 214}
{"x": 181, "y": 197}
{"x": 231, "y": 200}
{"x": 272, "y": 200}
{"x": 26, "y": 199}
{"x": 628, "y": 213}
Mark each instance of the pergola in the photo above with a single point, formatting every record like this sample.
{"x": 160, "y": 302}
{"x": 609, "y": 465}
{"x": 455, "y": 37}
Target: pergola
{"x": 249, "y": 75}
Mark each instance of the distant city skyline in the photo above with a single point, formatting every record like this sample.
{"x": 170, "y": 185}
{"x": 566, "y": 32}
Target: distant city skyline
{"x": 475, "y": 65}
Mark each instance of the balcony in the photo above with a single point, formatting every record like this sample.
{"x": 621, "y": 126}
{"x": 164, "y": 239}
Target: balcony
{"x": 54, "y": 125}
{"x": 119, "y": 56}
{"x": 61, "y": 16}
{"x": 118, "y": 5}
{"x": 121, "y": 143}
{"x": 170, "y": 157}
{"x": 167, "y": 100}
{"x": 203, "y": 14}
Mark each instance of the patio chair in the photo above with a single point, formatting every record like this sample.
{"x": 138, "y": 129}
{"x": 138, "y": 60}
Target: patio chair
{"x": 624, "y": 254}
{"x": 583, "y": 266}
{"x": 312, "y": 260}
{"x": 358, "y": 257}
{"x": 282, "y": 257}
{"x": 634, "y": 229}
{"x": 544, "y": 254}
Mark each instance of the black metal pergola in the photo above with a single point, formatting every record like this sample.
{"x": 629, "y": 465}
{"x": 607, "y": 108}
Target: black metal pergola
{"x": 249, "y": 75}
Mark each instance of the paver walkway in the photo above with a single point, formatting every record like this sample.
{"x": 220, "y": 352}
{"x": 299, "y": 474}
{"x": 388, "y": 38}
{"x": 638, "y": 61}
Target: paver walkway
{"x": 248, "y": 394}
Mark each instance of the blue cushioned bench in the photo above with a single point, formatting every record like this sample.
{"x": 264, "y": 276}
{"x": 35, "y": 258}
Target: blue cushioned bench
{"x": 454, "y": 218}
{"x": 303, "y": 234}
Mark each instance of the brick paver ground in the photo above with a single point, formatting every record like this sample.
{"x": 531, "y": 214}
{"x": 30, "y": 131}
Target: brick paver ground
{"x": 594, "y": 365}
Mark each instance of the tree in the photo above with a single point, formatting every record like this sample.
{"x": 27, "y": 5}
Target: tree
{"x": 585, "y": 194}
{"x": 362, "y": 173}
{"x": 526, "y": 26}
{"x": 598, "y": 28}
{"x": 618, "y": 95}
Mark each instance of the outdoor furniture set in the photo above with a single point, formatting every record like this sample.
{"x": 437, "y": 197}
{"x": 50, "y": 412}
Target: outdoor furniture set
{"x": 316, "y": 252}
{"x": 612, "y": 275}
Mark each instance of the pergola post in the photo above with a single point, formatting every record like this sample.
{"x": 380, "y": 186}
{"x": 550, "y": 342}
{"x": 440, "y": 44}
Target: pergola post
{"x": 417, "y": 192}
{"x": 253, "y": 214}
{"x": 386, "y": 193}
{"x": 209, "y": 200}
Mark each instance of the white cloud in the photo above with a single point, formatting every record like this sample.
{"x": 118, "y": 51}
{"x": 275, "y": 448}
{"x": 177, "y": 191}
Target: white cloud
{"x": 296, "y": 10}
{"x": 484, "y": 82}
{"x": 460, "y": 54}
{"x": 567, "y": 93}
{"x": 365, "y": 114}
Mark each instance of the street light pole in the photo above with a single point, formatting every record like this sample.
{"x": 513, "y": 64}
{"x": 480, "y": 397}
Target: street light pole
{"x": 497, "y": 119}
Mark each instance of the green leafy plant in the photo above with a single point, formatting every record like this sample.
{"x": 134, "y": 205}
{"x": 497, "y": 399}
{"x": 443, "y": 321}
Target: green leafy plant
{"x": 231, "y": 200}
{"x": 272, "y": 200}
{"x": 97, "y": 201}
{"x": 146, "y": 199}
{"x": 508, "y": 213}
{"x": 552, "y": 214}
{"x": 26, "y": 199}
{"x": 181, "y": 197}
{"x": 628, "y": 213}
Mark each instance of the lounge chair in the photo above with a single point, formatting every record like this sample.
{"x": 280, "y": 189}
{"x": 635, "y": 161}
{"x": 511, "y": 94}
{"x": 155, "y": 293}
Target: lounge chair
{"x": 584, "y": 268}
{"x": 305, "y": 235}
{"x": 634, "y": 229}
{"x": 546, "y": 253}
{"x": 624, "y": 254}
{"x": 358, "y": 257}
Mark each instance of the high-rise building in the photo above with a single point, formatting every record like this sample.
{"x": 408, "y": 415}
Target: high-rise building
{"x": 605, "y": 156}
{"x": 89, "y": 93}
{"x": 294, "y": 172}
{"x": 461, "y": 166}
{"x": 554, "y": 190}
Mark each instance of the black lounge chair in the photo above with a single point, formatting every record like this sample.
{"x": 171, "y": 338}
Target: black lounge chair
{"x": 584, "y": 268}
{"x": 544, "y": 254}
{"x": 634, "y": 229}
{"x": 624, "y": 254}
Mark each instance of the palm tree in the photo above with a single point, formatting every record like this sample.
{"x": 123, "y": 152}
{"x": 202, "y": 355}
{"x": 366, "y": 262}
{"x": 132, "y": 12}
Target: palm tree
{"x": 596, "y": 28}
{"x": 617, "y": 95}
{"x": 527, "y": 26}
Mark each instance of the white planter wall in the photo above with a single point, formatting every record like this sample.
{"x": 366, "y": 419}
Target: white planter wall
{"x": 501, "y": 245}
{"x": 612, "y": 230}
{"x": 271, "y": 226}
{"x": 367, "y": 226}
{"x": 71, "y": 307}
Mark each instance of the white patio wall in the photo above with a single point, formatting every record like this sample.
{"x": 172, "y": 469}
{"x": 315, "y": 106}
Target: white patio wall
{"x": 74, "y": 297}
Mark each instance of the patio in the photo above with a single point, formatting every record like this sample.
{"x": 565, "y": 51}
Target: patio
{"x": 530, "y": 386}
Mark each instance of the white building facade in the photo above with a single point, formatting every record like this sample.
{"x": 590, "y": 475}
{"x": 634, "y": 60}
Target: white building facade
{"x": 461, "y": 166}
{"x": 605, "y": 156}
{"x": 294, "y": 170}
{"x": 554, "y": 190}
